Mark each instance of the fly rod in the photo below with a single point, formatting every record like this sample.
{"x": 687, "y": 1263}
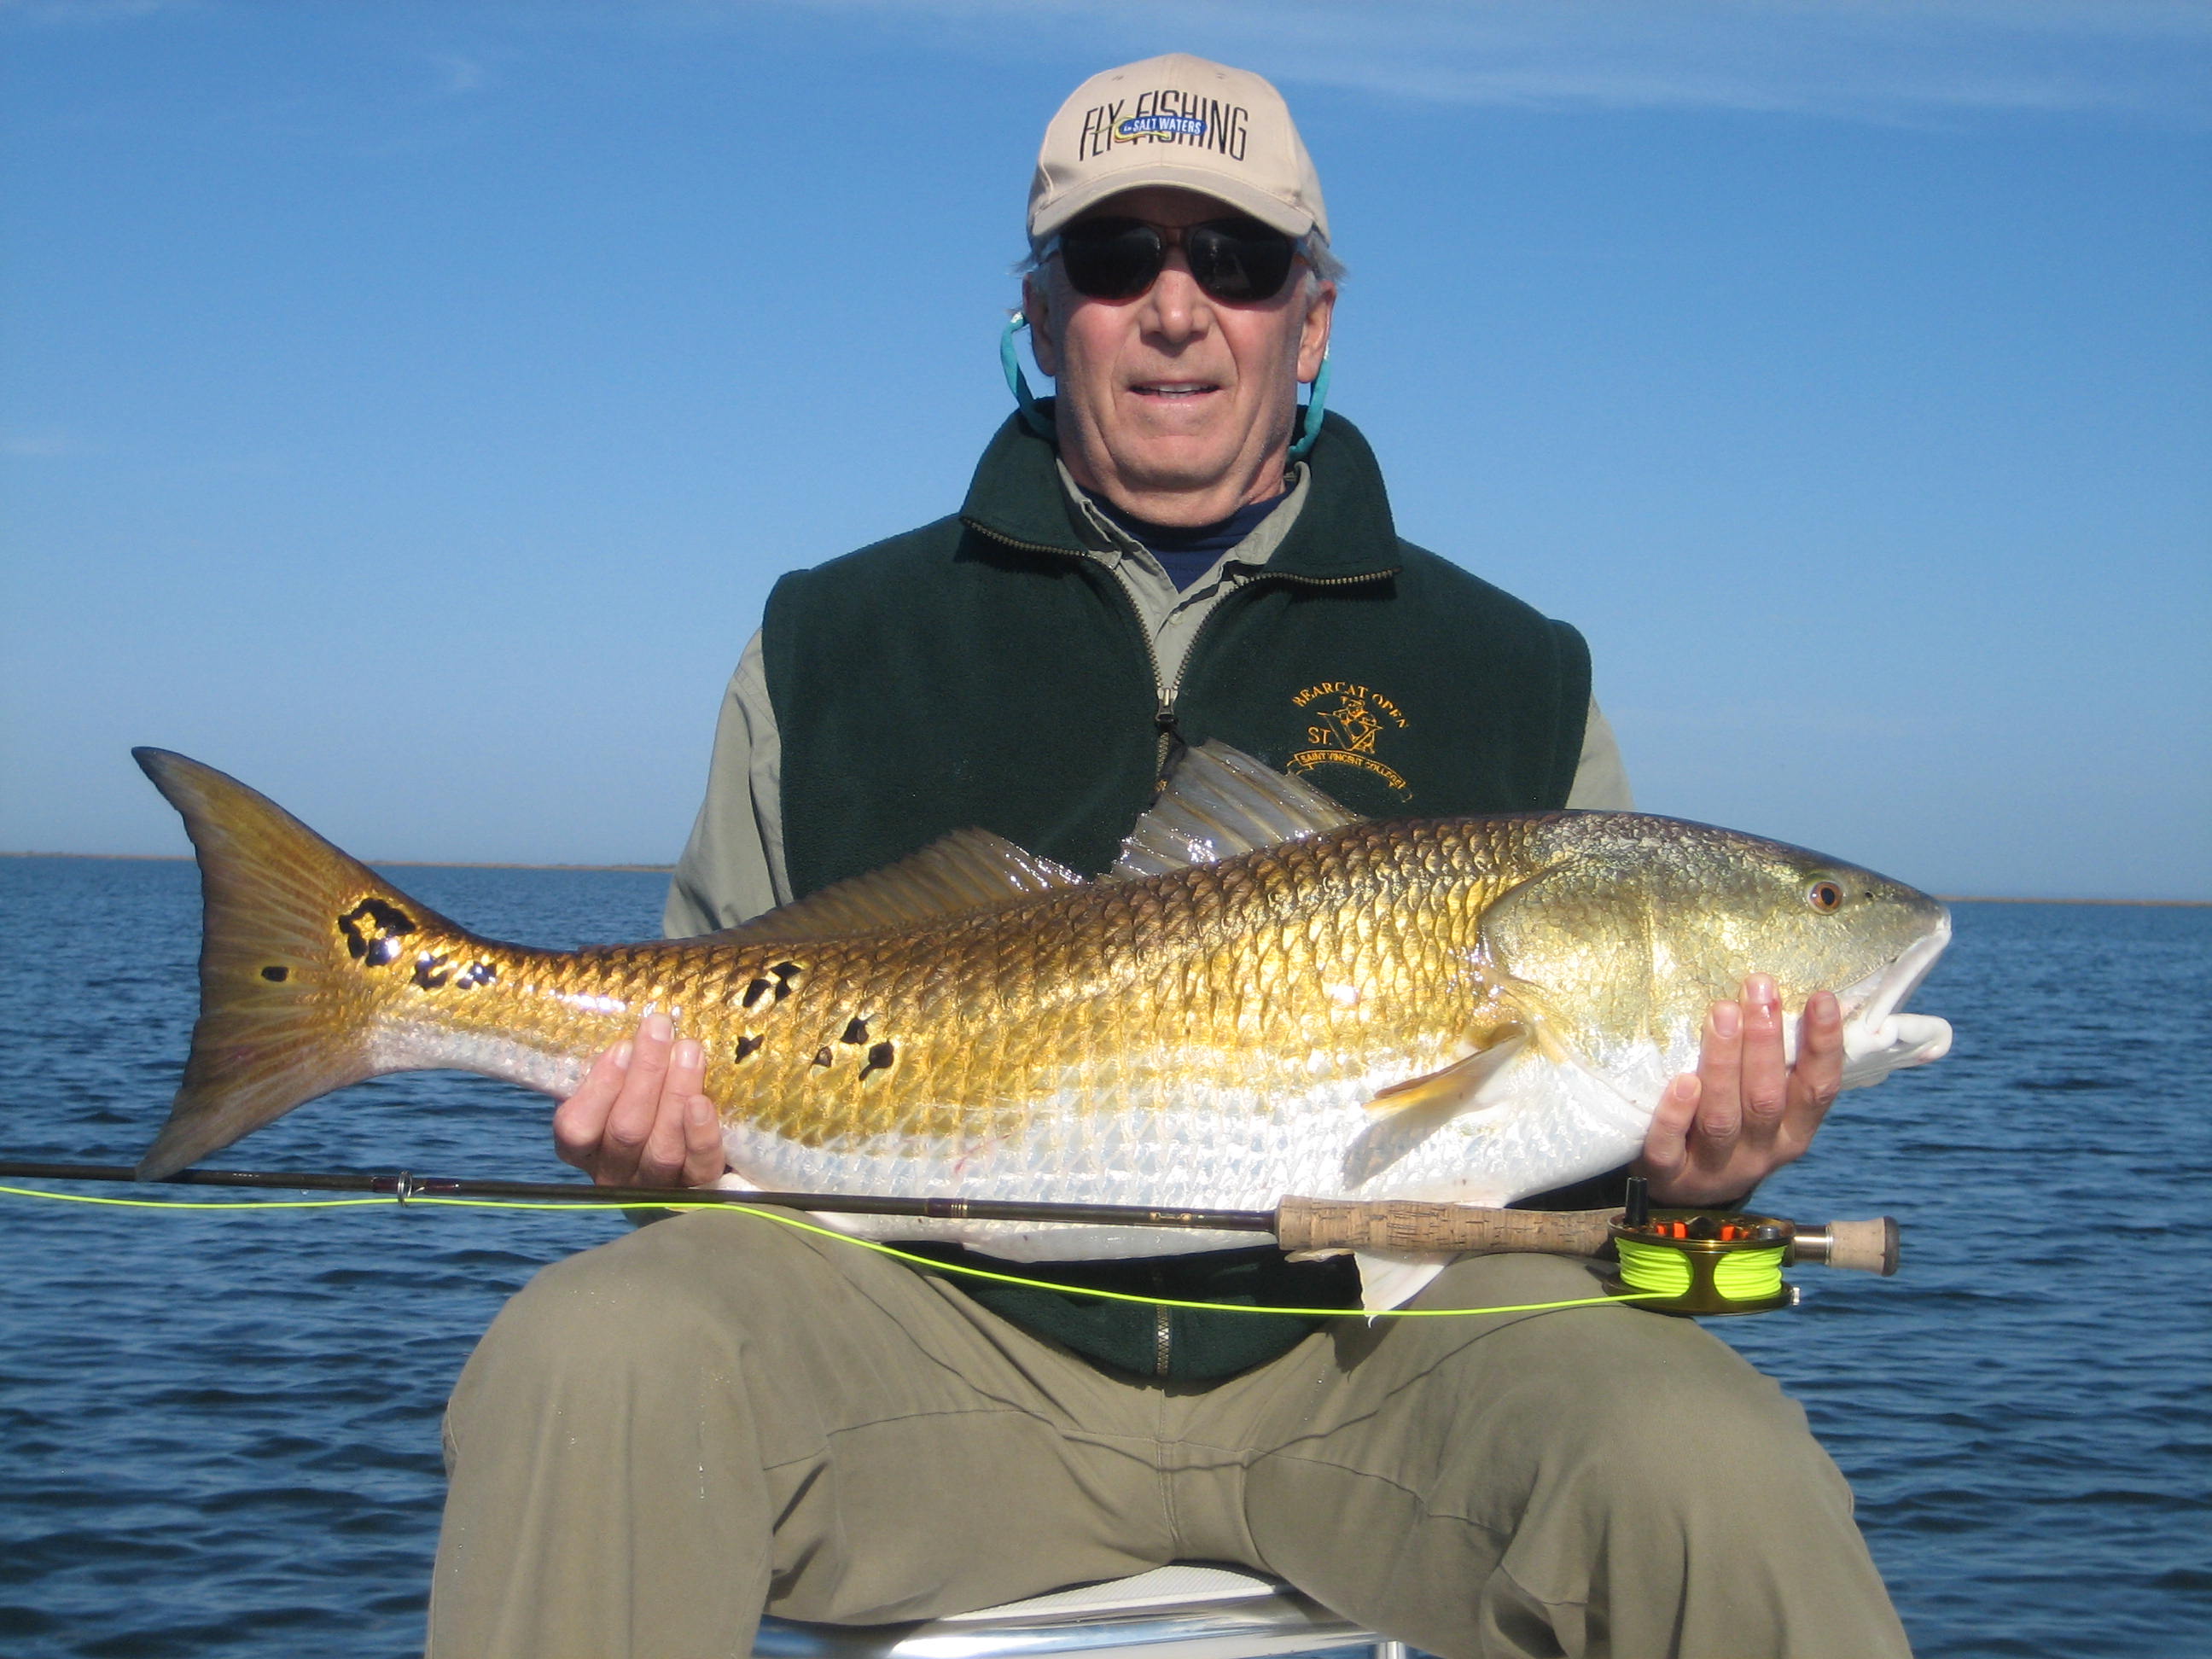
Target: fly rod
{"x": 1297, "y": 1223}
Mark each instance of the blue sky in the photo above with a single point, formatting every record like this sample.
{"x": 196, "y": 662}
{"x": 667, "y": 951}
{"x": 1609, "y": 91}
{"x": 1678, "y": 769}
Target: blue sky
{"x": 406, "y": 407}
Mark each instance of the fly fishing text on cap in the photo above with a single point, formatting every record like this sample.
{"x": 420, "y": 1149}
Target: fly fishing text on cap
{"x": 1180, "y": 121}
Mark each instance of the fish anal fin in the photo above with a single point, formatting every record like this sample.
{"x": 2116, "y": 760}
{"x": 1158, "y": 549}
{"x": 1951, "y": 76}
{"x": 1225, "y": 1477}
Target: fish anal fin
{"x": 1415, "y": 1110}
{"x": 1218, "y": 802}
{"x": 966, "y": 871}
{"x": 1390, "y": 1278}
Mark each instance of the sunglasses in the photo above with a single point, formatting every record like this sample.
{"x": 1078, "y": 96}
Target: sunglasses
{"x": 1238, "y": 260}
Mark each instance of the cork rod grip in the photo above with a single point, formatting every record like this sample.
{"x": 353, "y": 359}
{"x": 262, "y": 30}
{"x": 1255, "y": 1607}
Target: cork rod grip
{"x": 1868, "y": 1247}
{"x": 1404, "y": 1223}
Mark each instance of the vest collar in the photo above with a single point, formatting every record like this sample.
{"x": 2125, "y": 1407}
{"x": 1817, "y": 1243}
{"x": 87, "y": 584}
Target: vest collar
{"x": 1344, "y": 532}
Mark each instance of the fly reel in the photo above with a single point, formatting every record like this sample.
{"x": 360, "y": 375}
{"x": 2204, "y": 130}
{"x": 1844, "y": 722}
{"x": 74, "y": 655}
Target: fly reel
{"x": 1697, "y": 1262}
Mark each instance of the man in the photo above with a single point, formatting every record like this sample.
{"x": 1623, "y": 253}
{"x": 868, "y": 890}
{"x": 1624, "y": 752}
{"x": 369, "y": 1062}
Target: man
{"x": 661, "y": 1436}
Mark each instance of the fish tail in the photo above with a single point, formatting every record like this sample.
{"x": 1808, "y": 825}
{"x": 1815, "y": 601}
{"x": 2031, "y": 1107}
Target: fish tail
{"x": 292, "y": 930}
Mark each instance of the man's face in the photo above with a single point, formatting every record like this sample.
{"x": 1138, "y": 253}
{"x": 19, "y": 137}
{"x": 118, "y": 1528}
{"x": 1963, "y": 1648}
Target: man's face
{"x": 1176, "y": 405}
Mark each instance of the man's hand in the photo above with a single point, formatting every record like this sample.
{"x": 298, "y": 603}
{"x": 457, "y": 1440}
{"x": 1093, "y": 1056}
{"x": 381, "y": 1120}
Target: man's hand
{"x": 1743, "y": 1114}
{"x": 640, "y": 1119}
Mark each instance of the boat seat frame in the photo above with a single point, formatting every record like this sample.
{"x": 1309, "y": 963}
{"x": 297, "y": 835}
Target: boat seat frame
{"x": 1185, "y": 1610}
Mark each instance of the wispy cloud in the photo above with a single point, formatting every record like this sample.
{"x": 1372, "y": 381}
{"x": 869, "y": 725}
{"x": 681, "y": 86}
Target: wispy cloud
{"x": 43, "y": 446}
{"x": 88, "y": 11}
{"x": 1875, "y": 60}
{"x": 456, "y": 74}
{"x": 1883, "y": 60}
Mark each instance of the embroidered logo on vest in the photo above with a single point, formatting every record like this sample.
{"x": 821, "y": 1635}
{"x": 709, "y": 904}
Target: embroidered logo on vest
{"x": 1344, "y": 722}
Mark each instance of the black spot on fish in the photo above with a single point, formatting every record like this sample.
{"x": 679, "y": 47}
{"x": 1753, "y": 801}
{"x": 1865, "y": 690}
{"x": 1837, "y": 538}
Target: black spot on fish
{"x": 373, "y": 931}
{"x": 432, "y": 971}
{"x": 821, "y": 1056}
{"x": 856, "y": 1031}
{"x": 879, "y": 1059}
{"x": 749, "y": 1045}
{"x": 476, "y": 973}
{"x": 779, "y": 985}
{"x": 276, "y": 975}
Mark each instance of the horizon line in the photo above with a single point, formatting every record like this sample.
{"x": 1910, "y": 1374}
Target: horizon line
{"x": 668, "y": 869}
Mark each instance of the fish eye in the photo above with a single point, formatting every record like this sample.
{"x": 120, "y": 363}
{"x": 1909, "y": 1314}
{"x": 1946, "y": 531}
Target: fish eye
{"x": 1824, "y": 896}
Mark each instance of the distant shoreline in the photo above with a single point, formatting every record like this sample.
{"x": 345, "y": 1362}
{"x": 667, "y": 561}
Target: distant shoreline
{"x": 2150, "y": 904}
{"x": 665, "y": 869}
{"x": 397, "y": 864}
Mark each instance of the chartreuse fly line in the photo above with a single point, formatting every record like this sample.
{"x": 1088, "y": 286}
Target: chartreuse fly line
{"x": 209, "y": 1204}
{"x": 1640, "y": 1293}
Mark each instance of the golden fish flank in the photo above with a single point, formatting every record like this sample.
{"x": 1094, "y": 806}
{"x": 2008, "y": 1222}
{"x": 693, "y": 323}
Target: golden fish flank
{"x": 1265, "y": 996}
{"x": 1226, "y": 977}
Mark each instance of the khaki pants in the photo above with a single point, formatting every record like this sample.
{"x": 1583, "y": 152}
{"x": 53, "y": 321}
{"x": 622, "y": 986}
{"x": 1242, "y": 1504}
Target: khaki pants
{"x": 659, "y": 1437}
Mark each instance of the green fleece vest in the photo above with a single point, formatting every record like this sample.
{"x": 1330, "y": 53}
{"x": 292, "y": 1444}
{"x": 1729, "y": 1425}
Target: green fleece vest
{"x": 987, "y": 669}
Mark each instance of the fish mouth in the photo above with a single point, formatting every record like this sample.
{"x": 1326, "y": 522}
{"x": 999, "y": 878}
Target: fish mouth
{"x": 1877, "y": 1038}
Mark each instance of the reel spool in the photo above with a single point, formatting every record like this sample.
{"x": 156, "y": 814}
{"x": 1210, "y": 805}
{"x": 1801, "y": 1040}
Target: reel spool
{"x": 1703, "y": 1263}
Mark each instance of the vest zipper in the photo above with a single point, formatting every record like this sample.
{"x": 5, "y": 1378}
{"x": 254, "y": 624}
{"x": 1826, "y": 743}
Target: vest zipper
{"x": 1165, "y": 718}
{"x": 1163, "y": 1333}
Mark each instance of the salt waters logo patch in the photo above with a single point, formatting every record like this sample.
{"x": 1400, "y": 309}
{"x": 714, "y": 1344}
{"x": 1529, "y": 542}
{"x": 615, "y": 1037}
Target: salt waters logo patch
{"x": 1165, "y": 116}
{"x": 1131, "y": 128}
{"x": 1346, "y": 722}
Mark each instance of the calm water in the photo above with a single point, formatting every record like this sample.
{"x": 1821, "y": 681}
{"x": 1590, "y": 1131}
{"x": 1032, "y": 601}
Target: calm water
{"x": 219, "y": 1433}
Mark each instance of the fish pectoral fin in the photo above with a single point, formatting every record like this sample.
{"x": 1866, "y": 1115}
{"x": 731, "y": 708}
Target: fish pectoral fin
{"x": 1416, "y": 1109}
{"x": 966, "y": 871}
{"x": 1216, "y": 802}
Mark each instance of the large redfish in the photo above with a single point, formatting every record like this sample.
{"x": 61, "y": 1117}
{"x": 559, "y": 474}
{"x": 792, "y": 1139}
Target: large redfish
{"x": 1265, "y": 997}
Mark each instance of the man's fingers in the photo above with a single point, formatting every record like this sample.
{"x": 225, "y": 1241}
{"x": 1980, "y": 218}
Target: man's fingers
{"x": 581, "y": 1121}
{"x": 667, "y": 1148}
{"x": 637, "y": 1108}
{"x": 1764, "y": 1068}
{"x": 1720, "y": 1072}
{"x": 1666, "y": 1142}
{"x": 704, "y": 1159}
{"x": 641, "y": 1118}
{"x": 693, "y": 1124}
{"x": 1819, "y": 1072}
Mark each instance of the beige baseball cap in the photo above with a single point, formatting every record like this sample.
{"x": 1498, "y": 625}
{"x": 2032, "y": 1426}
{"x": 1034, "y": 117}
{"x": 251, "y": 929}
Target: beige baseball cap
{"x": 1183, "y": 121}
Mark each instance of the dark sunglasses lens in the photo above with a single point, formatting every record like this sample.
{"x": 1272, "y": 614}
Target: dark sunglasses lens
{"x": 1239, "y": 259}
{"x": 1111, "y": 259}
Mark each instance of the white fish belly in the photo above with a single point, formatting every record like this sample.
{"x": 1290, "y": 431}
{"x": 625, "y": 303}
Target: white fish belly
{"x": 1539, "y": 1125}
{"x": 1542, "y": 1123}
{"x": 432, "y": 1047}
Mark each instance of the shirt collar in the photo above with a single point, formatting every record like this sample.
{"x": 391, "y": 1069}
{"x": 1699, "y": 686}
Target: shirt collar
{"x": 1108, "y": 542}
{"x": 1342, "y": 530}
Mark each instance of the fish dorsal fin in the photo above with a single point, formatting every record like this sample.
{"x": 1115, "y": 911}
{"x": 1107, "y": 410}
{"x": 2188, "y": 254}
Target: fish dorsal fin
{"x": 966, "y": 871}
{"x": 1219, "y": 802}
